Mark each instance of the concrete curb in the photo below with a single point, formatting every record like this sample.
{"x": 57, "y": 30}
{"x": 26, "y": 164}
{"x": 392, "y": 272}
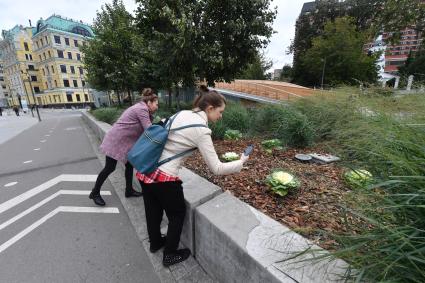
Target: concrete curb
{"x": 231, "y": 240}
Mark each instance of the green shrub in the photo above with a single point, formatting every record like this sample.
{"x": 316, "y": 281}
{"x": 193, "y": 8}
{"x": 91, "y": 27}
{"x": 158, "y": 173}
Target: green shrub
{"x": 235, "y": 117}
{"x": 108, "y": 115}
{"x": 232, "y": 135}
{"x": 285, "y": 123}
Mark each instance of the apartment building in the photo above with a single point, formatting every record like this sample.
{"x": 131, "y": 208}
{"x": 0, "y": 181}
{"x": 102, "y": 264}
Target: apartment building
{"x": 46, "y": 60}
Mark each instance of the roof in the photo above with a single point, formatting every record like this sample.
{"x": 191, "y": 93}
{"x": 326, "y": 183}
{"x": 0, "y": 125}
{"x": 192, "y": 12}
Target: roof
{"x": 308, "y": 7}
{"x": 60, "y": 23}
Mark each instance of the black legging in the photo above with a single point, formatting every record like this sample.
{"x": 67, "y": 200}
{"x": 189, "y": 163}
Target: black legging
{"x": 110, "y": 165}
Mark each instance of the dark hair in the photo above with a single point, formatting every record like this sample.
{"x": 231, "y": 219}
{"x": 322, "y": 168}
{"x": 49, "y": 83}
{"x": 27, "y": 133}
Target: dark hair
{"x": 207, "y": 98}
{"x": 148, "y": 95}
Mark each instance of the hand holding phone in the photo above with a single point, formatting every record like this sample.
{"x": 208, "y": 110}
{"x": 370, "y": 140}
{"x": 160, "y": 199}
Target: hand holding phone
{"x": 248, "y": 150}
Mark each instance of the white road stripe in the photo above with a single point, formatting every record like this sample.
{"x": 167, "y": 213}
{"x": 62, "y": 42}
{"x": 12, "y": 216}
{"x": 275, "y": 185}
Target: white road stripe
{"x": 10, "y": 184}
{"x": 47, "y": 135}
{"x": 28, "y": 161}
{"x": 36, "y": 149}
{"x": 43, "y": 141}
{"x": 27, "y": 230}
{"x": 28, "y": 194}
{"x": 46, "y": 200}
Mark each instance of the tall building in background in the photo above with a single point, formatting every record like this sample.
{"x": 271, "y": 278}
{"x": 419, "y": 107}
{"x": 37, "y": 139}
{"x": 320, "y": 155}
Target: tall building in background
{"x": 396, "y": 55}
{"x": 17, "y": 57}
{"x": 4, "y": 93}
{"x": 46, "y": 60}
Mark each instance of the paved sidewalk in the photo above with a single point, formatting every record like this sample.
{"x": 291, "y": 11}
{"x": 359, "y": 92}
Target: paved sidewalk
{"x": 12, "y": 125}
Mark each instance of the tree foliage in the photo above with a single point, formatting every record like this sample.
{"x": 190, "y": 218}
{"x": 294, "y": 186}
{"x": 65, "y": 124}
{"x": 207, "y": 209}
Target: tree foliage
{"x": 110, "y": 58}
{"x": 209, "y": 39}
{"x": 371, "y": 16}
{"x": 256, "y": 70}
{"x": 342, "y": 48}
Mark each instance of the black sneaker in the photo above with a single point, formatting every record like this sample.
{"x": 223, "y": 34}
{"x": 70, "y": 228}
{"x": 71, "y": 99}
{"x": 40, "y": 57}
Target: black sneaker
{"x": 175, "y": 257}
{"x": 154, "y": 249}
{"x": 98, "y": 200}
{"x": 132, "y": 193}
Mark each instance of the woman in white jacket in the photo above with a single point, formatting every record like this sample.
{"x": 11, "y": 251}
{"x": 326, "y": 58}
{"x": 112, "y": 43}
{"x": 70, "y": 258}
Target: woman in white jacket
{"x": 162, "y": 189}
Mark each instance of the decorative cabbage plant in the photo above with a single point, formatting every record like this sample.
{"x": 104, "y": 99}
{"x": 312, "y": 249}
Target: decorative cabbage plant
{"x": 269, "y": 145}
{"x": 232, "y": 135}
{"x": 230, "y": 156}
{"x": 359, "y": 178}
{"x": 280, "y": 182}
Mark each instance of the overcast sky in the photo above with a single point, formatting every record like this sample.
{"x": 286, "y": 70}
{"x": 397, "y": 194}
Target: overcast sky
{"x": 14, "y": 12}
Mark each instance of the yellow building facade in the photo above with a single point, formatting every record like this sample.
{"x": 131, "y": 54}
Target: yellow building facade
{"x": 47, "y": 61}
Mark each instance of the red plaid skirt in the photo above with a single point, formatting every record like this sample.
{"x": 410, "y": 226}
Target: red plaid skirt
{"x": 156, "y": 176}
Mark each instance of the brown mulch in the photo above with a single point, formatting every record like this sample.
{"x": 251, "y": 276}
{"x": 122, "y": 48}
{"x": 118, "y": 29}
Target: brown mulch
{"x": 315, "y": 210}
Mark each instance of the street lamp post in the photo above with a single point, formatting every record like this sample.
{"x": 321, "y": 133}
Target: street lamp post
{"x": 32, "y": 92}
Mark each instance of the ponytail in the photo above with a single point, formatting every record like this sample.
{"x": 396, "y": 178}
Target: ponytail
{"x": 207, "y": 98}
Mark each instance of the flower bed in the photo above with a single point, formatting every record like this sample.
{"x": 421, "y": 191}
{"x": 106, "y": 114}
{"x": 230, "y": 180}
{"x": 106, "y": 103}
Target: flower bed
{"x": 314, "y": 209}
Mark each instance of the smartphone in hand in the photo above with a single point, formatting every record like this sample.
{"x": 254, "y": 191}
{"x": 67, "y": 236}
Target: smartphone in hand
{"x": 248, "y": 150}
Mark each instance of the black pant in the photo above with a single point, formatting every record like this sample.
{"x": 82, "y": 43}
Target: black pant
{"x": 166, "y": 196}
{"x": 110, "y": 165}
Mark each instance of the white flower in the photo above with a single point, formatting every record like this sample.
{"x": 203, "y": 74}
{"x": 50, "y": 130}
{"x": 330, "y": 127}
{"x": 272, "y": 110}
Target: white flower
{"x": 230, "y": 156}
{"x": 283, "y": 177}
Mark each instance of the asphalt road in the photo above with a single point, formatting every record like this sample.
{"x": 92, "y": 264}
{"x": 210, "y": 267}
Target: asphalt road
{"x": 49, "y": 230}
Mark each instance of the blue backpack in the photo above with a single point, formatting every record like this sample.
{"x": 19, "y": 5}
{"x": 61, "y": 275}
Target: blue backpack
{"x": 146, "y": 152}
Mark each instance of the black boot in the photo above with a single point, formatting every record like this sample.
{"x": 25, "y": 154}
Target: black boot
{"x": 98, "y": 200}
{"x": 132, "y": 193}
{"x": 154, "y": 249}
{"x": 175, "y": 257}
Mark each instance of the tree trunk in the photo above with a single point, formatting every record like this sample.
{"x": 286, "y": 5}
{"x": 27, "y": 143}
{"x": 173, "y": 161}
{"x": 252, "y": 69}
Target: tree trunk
{"x": 169, "y": 97}
{"x": 130, "y": 96}
{"x": 177, "y": 97}
{"x": 119, "y": 98}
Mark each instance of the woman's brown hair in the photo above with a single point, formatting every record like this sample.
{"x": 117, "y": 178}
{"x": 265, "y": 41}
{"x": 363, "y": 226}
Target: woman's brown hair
{"x": 148, "y": 95}
{"x": 207, "y": 98}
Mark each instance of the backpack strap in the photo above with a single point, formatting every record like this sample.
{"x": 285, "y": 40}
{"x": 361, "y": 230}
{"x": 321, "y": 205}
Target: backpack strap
{"x": 175, "y": 156}
{"x": 184, "y": 152}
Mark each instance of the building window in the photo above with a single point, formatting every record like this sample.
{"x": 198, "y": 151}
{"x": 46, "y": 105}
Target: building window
{"x": 69, "y": 97}
{"x": 86, "y": 97}
{"x": 31, "y": 67}
{"x": 60, "y": 53}
{"x": 44, "y": 73}
{"x": 40, "y": 57}
{"x": 30, "y": 57}
{"x": 67, "y": 41}
{"x": 75, "y": 83}
{"x": 38, "y": 46}
{"x": 83, "y": 83}
{"x": 81, "y": 30}
{"x": 44, "y": 55}
{"x": 72, "y": 69}
{"x": 63, "y": 68}
{"x": 75, "y": 43}
{"x": 26, "y": 57}
{"x": 78, "y": 57}
{"x": 42, "y": 43}
{"x": 36, "y": 89}
{"x": 78, "y": 97}
{"x": 50, "y": 55}
{"x": 69, "y": 55}
{"x": 47, "y": 42}
{"x": 47, "y": 86}
{"x": 81, "y": 70}
{"x": 53, "y": 69}
{"x": 66, "y": 83}
{"x": 56, "y": 83}
{"x": 33, "y": 78}
{"x": 57, "y": 39}
{"x": 26, "y": 46}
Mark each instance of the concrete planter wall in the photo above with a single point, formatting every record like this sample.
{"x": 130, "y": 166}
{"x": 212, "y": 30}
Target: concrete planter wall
{"x": 234, "y": 242}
